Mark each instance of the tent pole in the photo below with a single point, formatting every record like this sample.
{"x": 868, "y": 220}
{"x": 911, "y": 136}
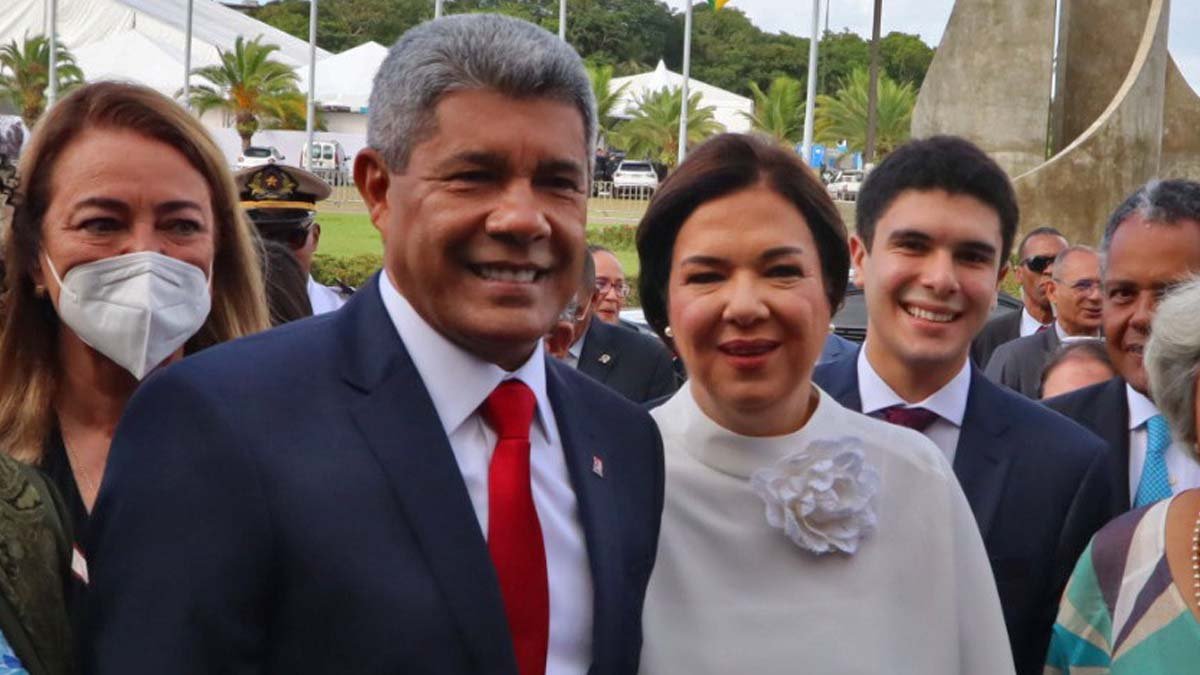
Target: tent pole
{"x": 810, "y": 104}
{"x": 437, "y": 9}
{"x": 187, "y": 61}
{"x": 310, "y": 118}
{"x": 52, "y": 90}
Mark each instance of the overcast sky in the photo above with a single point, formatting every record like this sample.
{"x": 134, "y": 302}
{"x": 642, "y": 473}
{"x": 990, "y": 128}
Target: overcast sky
{"x": 928, "y": 18}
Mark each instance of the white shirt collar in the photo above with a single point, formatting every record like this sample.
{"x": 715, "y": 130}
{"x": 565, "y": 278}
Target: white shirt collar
{"x": 1063, "y": 337}
{"x": 949, "y": 402}
{"x": 457, "y": 380}
{"x": 1141, "y": 408}
{"x": 1029, "y": 325}
{"x": 576, "y": 348}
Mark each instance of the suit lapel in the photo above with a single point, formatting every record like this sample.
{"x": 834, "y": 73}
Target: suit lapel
{"x": 584, "y": 450}
{"x": 839, "y": 379}
{"x": 1115, "y": 428}
{"x": 402, "y": 429}
{"x": 980, "y": 461}
{"x": 597, "y": 358}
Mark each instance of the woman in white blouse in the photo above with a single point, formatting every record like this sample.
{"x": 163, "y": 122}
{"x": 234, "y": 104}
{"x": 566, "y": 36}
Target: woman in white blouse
{"x": 797, "y": 536}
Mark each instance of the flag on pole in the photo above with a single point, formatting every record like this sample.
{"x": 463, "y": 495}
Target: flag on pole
{"x": 717, "y": 4}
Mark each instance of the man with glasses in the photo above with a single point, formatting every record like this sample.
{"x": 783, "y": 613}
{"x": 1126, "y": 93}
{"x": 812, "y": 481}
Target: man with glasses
{"x": 637, "y": 366}
{"x": 1037, "y": 251}
{"x": 1151, "y": 243}
{"x": 281, "y": 201}
{"x": 1074, "y": 292}
{"x": 611, "y": 288}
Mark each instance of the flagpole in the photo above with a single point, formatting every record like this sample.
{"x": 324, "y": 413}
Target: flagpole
{"x": 52, "y": 90}
{"x": 437, "y": 9}
{"x": 310, "y": 119}
{"x": 810, "y": 104}
{"x": 562, "y": 20}
{"x": 187, "y": 60}
{"x": 687, "y": 67}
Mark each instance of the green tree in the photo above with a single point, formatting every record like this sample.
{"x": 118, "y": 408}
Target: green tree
{"x": 653, "y": 130}
{"x": 779, "y": 111}
{"x": 606, "y": 98}
{"x": 843, "y": 116}
{"x": 905, "y": 58}
{"x": 25, "y": 74}
{"x": 258, "y": 91}
{"x": 343, "y": 24}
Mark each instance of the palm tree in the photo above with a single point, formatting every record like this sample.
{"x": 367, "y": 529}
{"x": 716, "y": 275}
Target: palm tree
{"x": 258, "y": 91}
{"x": 25, "y": 74}
{"x": 606, "y": 98}
{"x": 653, "y": 131}
{"x": 843, "y": 116}
{"x": 779, "y": 112}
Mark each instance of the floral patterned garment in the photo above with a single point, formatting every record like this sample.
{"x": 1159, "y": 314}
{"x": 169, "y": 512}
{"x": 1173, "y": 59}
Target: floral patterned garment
{"x": 9, "y": 663}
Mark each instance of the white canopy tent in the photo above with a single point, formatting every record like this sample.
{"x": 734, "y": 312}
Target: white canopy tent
{"x": 156, "y": 23}
{"x": 727, "y": 106}
{"x": 344, "y": 80}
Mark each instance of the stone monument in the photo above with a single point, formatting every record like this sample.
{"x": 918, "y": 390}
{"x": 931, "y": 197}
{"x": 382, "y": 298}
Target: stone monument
{"x": 1078, "y": 127}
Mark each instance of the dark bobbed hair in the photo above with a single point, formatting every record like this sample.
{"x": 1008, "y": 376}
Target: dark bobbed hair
{"x": 947, "y": 163}
{"x": 726, "y": 164}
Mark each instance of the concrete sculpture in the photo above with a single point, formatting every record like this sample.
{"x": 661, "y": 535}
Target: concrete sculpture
{"x": 1121, "y": 112}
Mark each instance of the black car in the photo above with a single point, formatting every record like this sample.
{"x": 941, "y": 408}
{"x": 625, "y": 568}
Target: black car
{"x": 851, "y": 320}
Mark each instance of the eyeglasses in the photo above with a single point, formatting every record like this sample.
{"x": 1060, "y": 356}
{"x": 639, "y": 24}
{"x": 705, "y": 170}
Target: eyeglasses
{"x": 294, "y": 237}
{"x": 1038, "y": 263}
{"x": 619, "y": 287}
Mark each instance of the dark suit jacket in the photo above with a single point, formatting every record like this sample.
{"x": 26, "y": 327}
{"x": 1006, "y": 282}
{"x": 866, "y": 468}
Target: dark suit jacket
{"x": 997, "y": 331}
{"x": 635, "y": 365}
{"x": 836, "y": 347}
{"x": 289, "y": 503}
{"x": 1104, "y": 408}
{"x": 1018, "y": 364}
{"x": 1038, "y": 486}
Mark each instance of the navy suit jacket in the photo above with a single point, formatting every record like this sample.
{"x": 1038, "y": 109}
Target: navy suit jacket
{"x": 637, "y": 366}
{"x": 1038, "y": 486}
{"x": 1104, "y": 408}
{"x": 289, "y": 503}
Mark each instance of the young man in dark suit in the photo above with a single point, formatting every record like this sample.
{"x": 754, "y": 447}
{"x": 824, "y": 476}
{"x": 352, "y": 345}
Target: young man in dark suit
{"x": 1151, "y": 242}
{"x": 935, "y": 222}
{"x": 407, "y": 485}
{"x": 1037, "y": 251}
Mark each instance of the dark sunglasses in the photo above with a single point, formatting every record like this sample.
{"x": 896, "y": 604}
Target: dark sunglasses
{"x": 295, "y": 237}
{"x": 1038, "y": 263}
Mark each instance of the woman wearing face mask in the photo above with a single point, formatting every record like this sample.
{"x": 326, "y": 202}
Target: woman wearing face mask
{"x": 797, "y": 536}
{"x": 127, "y": 251}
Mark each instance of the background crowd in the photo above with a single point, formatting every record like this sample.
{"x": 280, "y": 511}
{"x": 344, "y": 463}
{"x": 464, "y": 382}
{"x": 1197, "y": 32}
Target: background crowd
{"x": 472, "y": 464}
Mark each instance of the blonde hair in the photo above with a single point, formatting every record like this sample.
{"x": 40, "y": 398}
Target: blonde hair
{"x": 29, "y": 369}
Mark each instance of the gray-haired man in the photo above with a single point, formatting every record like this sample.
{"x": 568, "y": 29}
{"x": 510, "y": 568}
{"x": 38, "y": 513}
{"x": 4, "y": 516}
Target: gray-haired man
{"x": 429, "y": 493}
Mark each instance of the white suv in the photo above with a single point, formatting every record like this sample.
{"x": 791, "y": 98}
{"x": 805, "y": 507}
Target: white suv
{"x": 638, "y": 178}
{"x": 846, "y": 185}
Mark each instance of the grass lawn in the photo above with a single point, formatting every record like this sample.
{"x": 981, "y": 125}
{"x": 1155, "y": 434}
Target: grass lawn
{"x": 345, "y": 234}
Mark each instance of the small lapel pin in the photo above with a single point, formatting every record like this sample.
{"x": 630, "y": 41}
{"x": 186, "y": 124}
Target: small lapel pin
{"x": 605, "y": 358}
{"x": 597, "y": 466}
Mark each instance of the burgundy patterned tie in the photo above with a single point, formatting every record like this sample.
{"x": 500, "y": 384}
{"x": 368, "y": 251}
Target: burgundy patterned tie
{"x": 915, "y": 418}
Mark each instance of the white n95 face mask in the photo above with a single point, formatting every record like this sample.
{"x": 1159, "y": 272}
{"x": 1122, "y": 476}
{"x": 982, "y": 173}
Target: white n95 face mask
{"x": 137, "y": 309}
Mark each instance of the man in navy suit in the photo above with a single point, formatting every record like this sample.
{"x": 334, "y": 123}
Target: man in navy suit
{"x": 1151, "y": 243}
{"x": 935, "y": 221}
{"x": 407, "y": 485}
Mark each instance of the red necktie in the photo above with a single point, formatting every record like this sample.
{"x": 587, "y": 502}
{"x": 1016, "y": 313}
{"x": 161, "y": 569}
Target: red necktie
{"x": 915, "y": 418}
{"x": 514, "y": 533}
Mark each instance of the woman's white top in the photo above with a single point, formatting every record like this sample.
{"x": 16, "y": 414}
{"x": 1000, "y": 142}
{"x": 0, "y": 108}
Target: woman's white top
{"x": 731, "y": 594}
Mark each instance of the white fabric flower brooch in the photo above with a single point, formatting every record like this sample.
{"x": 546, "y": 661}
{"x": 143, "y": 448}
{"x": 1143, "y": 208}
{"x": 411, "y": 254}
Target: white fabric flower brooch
{"x": 822, "y": 497}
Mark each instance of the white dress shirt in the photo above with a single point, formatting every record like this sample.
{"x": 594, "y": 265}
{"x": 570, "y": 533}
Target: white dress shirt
{"x": 323, "y": 298}
{"x": 576, "y": 349}
{"x": 1183, "y": 471}
{"x": 1029, "y": 325}
{"x": 458, "y": 382}
{"x": 1063, "y": 337}
{"x": 949, "y": 402}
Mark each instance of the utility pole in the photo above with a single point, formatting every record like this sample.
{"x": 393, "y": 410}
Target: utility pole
{"x": 810, "y": 104}
{"x": 562, "y": 20}
{"x": 873, "y": 87}
{"x": 52, "y": 90}
{"x": 310, "y": 121}
{"x": 687, "y": 67}
{"x": 437, "y": 9}
{"x": 187, "y": 60}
